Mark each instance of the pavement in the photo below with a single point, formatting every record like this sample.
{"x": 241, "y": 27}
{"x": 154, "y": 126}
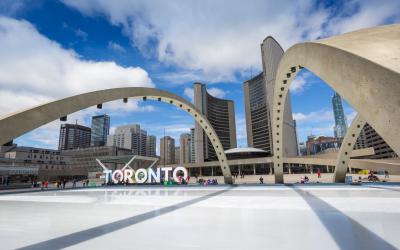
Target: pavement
{"x": 194, "y": 217}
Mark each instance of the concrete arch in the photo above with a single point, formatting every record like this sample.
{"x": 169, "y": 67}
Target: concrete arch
{"x": 18, "y": 123}
{"x": 362, "y": 66}
{"x": 343, "y": 158}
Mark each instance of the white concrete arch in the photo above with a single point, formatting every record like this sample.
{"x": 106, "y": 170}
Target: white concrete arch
{"x": 362, "y": 66}
{"x": 16, "y": 124}
{"x": 347, "y": 147}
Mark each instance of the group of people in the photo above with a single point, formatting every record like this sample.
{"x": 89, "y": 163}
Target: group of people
{"x": 236, "y": 174}
{"x": 61, "y": 184}
{"x": 207, "y": 182}
{"x": 45, "y": 184}
{"x": 304, "y": 179}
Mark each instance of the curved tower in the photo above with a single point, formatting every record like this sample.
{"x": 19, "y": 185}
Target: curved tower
{"x": 220, "y": 113}
{"x": 271, "y": 53}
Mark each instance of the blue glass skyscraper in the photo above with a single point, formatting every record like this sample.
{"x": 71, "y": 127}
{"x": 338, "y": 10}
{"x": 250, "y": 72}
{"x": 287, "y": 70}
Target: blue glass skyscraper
{"x": 100, "y": 130}
{"x": 340, "y": 128}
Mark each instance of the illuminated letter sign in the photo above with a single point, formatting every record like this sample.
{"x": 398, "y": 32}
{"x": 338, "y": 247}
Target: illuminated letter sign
{"x": 142, "y": 175}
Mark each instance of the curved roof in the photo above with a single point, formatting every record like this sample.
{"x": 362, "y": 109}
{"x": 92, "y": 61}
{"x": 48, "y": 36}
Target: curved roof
{"x": 244, "y": 150}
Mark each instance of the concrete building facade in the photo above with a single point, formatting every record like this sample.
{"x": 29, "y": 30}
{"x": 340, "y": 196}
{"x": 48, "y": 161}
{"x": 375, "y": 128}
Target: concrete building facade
{"x": 129, "y": 137}
{"x": 167, "y": 150}
{"x": 192, "y": 145}
{"x": 177, "y": 159}
{"x": 271, "y": 54}
{"x": 184, "y": 141}
{"x": 151, "y": 146}
{"x": 73, "y": 136}
{"x": 221, "y": 115}
{"x": 370, "y": 138}
{"x": 85, "y": 158}
{"x": 258, "y": 121}
{"x": 24, "y": 164}
{"x": 320, "y": 144}
{"x": 100, "y": 130}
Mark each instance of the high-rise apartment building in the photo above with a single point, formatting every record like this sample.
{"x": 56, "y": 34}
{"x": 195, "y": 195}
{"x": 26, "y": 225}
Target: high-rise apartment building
{"x": 151, "y": 145}
{"x": 184, "y": 141}
{"x": 340, "y": 128}
{"x": 130, "y": 137}
{"x": 192, "y": 146}
{"x": 370, "y": 138}
{"x": 258, "y": 121}
{"x": 167, "y": 150}
{"x": 73, "y": 136}
{"x": 220, "y": 113}
{"x": 100, "y": 130}
{"x": 271, "y": 54}
{"x": 177, "y": 159}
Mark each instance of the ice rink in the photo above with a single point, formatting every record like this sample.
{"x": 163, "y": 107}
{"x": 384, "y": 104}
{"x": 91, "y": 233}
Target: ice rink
{"x": 194, "y": 217}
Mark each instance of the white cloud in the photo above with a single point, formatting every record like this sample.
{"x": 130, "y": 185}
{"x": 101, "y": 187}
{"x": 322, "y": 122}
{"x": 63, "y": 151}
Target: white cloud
{"x": 216, "y": 92}
{"x": 118, "y": 108}
{"x": 189, "y": 92}
{"x": 116, "y": 47}
{"x": 217, "y": 39}
{"x": 12, "y": 7}
{"x": 317, "y": 116}
{"x": 301, "y": 82}
{"x": 39, "y": 69}
{"x": 35, "y": 70}
{"x": 82, "y": 34}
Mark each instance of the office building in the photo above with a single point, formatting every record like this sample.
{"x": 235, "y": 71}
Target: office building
{"x": 340, "y": 128}
{"x": 258, "y": 121}
{"x": 271, "y": 54}
{"x": 129, "y": 137}
{"x": 370, "y": 138}
{"x": 151, "y": 145}
{"x": 184, "y": 141}
{"x": 85, "y": 158}
{"x": 73, "y": 136}
{"x": 302, "y": 148}
{"x": 220, "y": 113}
{"x": 22, "y": 164}
{"x": 100, "y": 130}
{"x": 322, "y": 144}
{"x": 192, "y": 146}
{"x": 177, "y": 155}
{"x": 167, "y": 150}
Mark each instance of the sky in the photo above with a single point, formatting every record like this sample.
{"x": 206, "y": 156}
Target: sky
{"x": 54, "y": 49}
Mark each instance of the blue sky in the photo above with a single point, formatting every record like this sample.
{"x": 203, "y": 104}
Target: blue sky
{"x": 54, "y": 49}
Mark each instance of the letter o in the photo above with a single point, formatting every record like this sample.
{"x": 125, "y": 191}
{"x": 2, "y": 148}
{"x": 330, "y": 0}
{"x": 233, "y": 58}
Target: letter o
{"x": 175, "y": 173}
{"x": 137, "y": 173}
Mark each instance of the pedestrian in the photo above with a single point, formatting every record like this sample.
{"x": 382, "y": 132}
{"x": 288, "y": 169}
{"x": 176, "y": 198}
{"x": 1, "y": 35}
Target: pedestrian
{"x": 64, "y": 183}
{"x": 261, "y": 180}
{"x": 87, "y": 182}
{"x": 74, "y": 183}
{"x": 319, "y": 173}
{"x": 46, "y": 184}
{"x": 187, "y": 179}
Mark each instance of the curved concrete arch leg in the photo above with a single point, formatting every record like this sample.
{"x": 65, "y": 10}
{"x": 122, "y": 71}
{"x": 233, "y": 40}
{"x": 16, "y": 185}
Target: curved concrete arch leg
{"x": 281, "y": 89}
{"x": 343, "y": 158}
{"x": 16, "y": 124}
{"x": 366, "y": 61}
